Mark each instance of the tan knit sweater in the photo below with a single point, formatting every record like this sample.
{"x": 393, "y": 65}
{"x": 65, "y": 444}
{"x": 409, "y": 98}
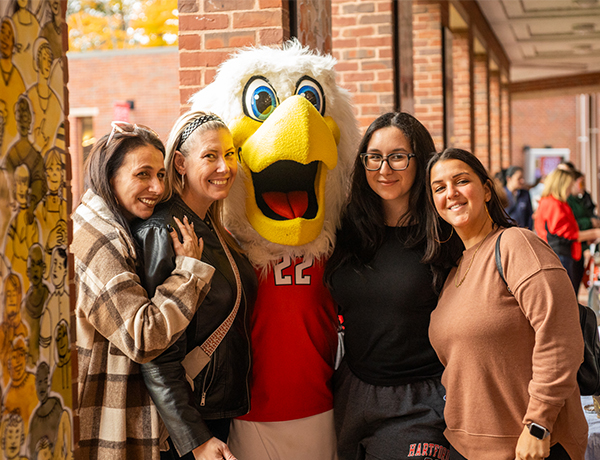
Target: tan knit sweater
{"x": 510, "y": 359}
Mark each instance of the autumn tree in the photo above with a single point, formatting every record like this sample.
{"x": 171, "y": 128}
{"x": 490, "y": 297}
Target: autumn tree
{"x": 119, "y": 24}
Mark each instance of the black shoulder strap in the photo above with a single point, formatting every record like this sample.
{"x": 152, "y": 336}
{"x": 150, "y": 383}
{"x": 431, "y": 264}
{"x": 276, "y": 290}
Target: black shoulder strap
{"x": 499, "y": 262}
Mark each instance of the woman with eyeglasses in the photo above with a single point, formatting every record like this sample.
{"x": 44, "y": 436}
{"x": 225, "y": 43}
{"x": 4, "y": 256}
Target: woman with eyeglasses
{"x": 118, "y": 325}
{"x": 388, "y": 399}
{"x": 197, "y": 401}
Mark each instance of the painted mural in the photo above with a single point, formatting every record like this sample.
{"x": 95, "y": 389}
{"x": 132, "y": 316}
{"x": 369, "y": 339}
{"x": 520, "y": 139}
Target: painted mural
{"x": 35, "y": 344}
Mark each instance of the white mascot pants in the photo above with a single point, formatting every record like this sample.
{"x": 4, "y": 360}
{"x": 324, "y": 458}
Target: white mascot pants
{"x": 302, "y": 439}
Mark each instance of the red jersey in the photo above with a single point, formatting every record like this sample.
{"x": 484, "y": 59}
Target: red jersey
{"x": 294, "y": 342}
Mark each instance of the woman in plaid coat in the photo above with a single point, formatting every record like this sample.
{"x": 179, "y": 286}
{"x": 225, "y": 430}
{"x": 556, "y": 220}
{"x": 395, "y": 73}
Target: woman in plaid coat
{"x": 118, "y": 326}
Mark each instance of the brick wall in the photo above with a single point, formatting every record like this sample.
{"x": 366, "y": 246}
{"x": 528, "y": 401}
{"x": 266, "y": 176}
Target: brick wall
{"x": 428, "y": 75}
{"x": 505, "y": 118}
{"x": 480, "y": 75}
{"x": 98, "y": 79}
{"x": 362, "y": 44}
{"x": 210, "y": 30}
{"x": 544, "y": 122}
{"x": 147, "y": 76}
{"x": 462, "y": 90}
{"x": 495, "y": 152}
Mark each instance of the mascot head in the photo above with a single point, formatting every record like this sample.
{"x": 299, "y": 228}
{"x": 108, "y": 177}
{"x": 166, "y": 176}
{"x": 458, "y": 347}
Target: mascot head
{"x": 297, "y": 132}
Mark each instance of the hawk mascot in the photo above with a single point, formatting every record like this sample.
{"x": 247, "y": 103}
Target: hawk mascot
{"x": 297, "y": 133}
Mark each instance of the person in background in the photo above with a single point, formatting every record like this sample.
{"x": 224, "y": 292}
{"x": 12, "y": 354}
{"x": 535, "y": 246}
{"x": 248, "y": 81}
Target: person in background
{"x": 556, "y": 224}
{"x": 535, "y": 193}
{"x": 500, "y": 184}
{"x": 584, "y": 211}
{"x": 118, "y": 325}
{"x": 388, "y": 397}
{"x": 519, "y": 202}
{"x": 511, "y": 356}
{"x": 197, "y": 406}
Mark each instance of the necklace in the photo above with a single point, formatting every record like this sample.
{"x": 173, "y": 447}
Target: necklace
{"x": 458, "y": 283}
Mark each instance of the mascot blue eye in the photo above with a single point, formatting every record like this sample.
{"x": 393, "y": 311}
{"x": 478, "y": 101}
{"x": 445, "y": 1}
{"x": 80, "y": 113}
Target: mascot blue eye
{"x": 263, "y": 102}
{"x": 311, "y": 89}
{"x": 260, "y": 99}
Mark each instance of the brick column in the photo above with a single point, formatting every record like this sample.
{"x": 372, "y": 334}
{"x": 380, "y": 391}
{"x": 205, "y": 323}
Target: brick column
{"x": 480, "y": 75}
{"x": 209, "y": 31}
{"x": 505, "y": 117}
{"x": 494, "y": 100}
{"x": 428, "y": 73}
{"x": 462, "y": 90}
{"x": 362, "y": 44}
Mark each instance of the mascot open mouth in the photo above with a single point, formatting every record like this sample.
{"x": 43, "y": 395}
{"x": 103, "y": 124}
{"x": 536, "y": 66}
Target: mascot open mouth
{"x": 286, "y": 190}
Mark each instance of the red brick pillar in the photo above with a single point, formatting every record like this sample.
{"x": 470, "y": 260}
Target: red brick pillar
{"x": 362, "y": 44}
{"x": 505, "y": 118}
{"x": 462, "y": 90}
{"x": 428, "y": 72}
{"x": 210, "y": 31}
{"x": 480, "y": 75}
{"x": 495, "y": 152}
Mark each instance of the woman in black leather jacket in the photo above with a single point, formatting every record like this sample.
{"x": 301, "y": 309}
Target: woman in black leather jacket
{"x": 201, "y": 166}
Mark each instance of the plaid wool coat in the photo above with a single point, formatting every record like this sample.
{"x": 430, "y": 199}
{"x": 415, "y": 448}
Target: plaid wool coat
{"x": 118, "y": 327}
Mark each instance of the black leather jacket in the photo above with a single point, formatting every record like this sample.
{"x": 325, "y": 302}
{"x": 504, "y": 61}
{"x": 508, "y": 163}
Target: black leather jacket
{"x": 221, "y": 390}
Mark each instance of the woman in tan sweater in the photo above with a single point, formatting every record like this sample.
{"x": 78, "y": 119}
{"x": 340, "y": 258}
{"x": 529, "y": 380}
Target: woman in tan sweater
{"x": 510, "y": 357}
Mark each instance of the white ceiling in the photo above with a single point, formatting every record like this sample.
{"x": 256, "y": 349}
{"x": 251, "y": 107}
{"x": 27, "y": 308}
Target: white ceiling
{"x": 546, "y": 38}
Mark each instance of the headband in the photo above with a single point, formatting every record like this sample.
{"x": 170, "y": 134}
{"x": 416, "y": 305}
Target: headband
{"x": 192, "y": 125}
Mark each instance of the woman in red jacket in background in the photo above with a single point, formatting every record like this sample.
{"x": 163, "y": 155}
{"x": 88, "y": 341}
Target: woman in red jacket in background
{"x": 556, "y": 224}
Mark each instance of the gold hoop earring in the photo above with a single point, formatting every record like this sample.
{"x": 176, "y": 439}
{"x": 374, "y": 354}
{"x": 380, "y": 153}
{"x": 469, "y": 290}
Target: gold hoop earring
{"x": 447, "y": 239}
{"x": 183, "y": 181}
{"x": 487, "y": 211}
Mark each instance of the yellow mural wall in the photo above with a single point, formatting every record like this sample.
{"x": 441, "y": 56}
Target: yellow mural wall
{"x": 35, "y": 334}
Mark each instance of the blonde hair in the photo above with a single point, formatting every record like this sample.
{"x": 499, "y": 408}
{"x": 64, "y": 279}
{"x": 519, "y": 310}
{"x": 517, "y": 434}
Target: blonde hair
{"x": 173, "y": 180}
{"x": 558, "y": 184}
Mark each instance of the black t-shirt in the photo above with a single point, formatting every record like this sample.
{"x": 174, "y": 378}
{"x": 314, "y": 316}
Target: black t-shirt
{"x": 386, "y": 308}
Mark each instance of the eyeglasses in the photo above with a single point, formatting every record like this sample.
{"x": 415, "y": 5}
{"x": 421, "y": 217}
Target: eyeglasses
{"x": 396, "y": 161}
{"x": 127, "y": 129}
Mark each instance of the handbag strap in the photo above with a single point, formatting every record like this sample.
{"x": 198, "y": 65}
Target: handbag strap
{"x": 499, "y": 262}
{"x": 211, "y": 343}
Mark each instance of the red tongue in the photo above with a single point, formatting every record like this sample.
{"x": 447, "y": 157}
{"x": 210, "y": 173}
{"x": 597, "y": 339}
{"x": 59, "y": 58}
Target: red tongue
{"x": 289, "y": 205}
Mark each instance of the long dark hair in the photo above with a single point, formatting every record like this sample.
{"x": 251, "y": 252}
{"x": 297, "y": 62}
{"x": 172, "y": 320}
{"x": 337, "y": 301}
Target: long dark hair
{"x": 362, "y": 229}
{"x": 104, "y": 161}
{"x": 438, "y": 252}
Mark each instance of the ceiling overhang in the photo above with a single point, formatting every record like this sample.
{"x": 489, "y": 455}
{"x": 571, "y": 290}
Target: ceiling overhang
{"x": 552, "y": 45}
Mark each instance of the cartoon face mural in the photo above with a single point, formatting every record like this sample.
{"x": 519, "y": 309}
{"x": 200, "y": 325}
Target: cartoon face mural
{"x": 296, "y": 131}
{"x": 7, "y": 39}
{"x": 35, "y": 379}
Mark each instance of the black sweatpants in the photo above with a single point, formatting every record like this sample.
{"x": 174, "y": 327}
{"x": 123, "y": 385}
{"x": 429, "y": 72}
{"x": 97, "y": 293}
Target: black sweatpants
{"x": 388, "y": 422}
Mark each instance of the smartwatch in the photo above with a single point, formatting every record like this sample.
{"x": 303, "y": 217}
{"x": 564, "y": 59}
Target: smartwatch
{"x": 538, "y": 431}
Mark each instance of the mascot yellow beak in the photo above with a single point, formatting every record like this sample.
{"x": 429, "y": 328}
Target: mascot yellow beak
{"x": 286, "y": 159}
